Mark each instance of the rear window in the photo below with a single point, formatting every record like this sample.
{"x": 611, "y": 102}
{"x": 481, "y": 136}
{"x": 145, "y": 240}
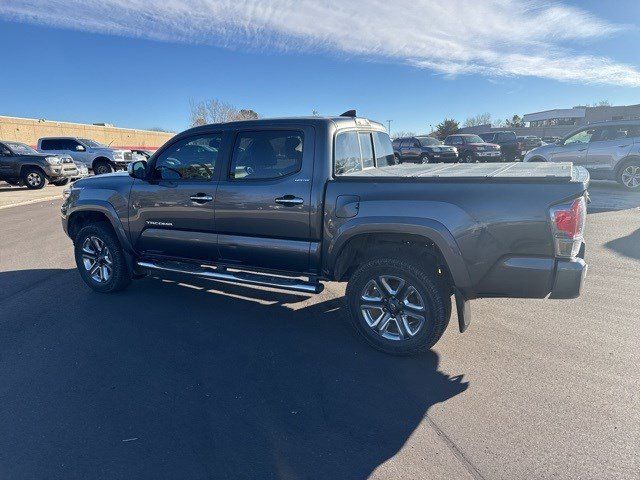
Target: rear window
{"x": 506, "y": 136}
{"x": 356, "y": 151}
{"x": 383, "y": 149}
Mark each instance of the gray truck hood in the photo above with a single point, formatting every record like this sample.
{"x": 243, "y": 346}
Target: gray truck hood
{"x": 108, "y": 181}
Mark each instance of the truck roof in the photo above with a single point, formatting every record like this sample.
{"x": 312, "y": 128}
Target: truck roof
{"x": 338, "y": 121}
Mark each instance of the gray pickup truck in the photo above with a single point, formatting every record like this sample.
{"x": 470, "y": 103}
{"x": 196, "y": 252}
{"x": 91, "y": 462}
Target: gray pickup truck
{"x": 290, "y": 203}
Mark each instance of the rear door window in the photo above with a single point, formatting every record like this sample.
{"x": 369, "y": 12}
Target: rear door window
{"x": 266, "y": 154}
{"x": 50, "y": 145}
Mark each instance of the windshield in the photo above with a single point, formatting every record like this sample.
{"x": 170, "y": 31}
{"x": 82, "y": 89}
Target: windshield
{"x": 92, "y": 143}
{"x": 428, "y": 141}
{"x": 473, "y": 139}
{"x": 21, "y": 148}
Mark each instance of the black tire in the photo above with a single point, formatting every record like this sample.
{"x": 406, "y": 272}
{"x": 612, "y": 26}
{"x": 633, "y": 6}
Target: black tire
{"x": 434, "y": 297}
{"x": 629, "y": 175}
{"x": 101, "y": 167}
{"x": 34, "y": 178}
{"x": 425, "y": 159}
{"x": 61, "y": 183}
{"x": 120, "y": 275}
{"x": 468, "y": 158}
{"x": 397, "y": 159}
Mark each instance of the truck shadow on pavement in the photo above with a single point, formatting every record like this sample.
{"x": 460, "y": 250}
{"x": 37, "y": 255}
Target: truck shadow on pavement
{"x": 628, "y": 246}
{"x": 171, "y": 381}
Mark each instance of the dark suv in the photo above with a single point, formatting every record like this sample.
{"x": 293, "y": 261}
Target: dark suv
{"x": 22, "y": 165}
{"x": 423, "y": 149}
{"x": 510, "y": 146}
{"x": 472, "y": 148}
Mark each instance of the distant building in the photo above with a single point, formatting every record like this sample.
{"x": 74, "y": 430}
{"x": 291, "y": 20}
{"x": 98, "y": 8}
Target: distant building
{"x": 29, "y": 130}
{"x": 559, "y": 122}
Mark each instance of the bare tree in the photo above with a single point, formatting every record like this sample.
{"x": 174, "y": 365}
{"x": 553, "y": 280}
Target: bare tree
{"x": 217, "y": 111}
{"x": 402, "y": 134}
{"x": 477, "y": 120}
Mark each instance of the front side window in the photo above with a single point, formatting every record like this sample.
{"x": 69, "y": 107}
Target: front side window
{"x": 192, "y": 158}
{"x": 263, "y": 155}
{"x": 473, "y": 139}
{"x": 429, "y": 141}
{"x": 583, "y": 136}
{"x": 384, "y": 150}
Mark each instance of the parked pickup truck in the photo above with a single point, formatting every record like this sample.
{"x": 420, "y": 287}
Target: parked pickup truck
{"x": 94, "y": 155}
{"x": 290, "y": 203}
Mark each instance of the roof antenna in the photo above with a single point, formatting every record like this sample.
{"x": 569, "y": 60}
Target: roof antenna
{"x": 349, "y": 113}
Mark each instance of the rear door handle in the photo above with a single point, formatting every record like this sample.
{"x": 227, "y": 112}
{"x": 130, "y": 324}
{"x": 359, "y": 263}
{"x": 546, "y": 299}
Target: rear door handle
{"x": 201, "y": 198}
{"x": 289, "y": 201}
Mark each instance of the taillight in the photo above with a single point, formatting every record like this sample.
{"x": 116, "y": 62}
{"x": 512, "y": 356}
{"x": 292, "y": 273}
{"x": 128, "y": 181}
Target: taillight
{"x": 567, "y": 222}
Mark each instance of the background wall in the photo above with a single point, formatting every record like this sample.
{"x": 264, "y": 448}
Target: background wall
{"x": 29, "y": 130}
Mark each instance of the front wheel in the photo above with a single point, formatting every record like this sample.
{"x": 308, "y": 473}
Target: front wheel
{"x": 468, "y": 158}
{"x": 425, "y": 159}
{"x": 101, "y": 167}
{"x": 34, "y": 178}
{"x": 629, "y": 176}
{"x": 397, "y": 307}
{"x": 100, "y": 259}
{"x": 61, "y": 183}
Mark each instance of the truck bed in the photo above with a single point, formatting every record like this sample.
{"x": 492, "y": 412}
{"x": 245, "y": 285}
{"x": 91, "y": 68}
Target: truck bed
{"x": 511, "y": 172}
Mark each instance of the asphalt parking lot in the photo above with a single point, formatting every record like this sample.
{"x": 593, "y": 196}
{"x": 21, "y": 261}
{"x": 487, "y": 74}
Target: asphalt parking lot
{"x": 170, "y": 380}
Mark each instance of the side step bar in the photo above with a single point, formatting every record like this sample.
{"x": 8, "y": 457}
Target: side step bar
{"x": 264, "y": 280}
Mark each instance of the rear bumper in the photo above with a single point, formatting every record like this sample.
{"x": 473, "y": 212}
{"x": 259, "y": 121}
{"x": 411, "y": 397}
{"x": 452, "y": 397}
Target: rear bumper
{"x": 534, "y": 277}
{"x": 569, "y": 277}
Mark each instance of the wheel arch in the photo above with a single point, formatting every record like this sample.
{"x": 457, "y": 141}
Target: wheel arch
{"x": 30, "y": 166}
{"x": 97, "y": 211}
{"x": 101, "y": 158}
{"x": 432, "y": 240}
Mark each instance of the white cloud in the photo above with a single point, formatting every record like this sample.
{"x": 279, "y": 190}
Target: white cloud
{"x": 491, "y": 37}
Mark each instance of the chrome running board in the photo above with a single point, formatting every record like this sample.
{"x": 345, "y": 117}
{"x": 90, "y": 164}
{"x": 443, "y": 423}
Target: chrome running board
{"x": 221, "y": 273}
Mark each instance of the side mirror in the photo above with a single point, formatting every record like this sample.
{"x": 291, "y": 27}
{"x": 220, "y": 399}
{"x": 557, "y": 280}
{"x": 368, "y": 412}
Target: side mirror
{"x": 137, "y": 169}
{"x": 80, "y": 148}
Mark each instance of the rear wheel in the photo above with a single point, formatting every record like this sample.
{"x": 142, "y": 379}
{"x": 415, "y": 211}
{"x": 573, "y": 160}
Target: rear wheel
{"x": 397, "y": 307}
{"x": 100, "y": 259}
{"x": 629, "y": 175}
{"x": 34, "y": 178}
{"x": 101, "y": 167}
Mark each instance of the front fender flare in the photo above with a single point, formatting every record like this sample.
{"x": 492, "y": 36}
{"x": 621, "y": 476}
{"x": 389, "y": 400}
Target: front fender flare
{"x": 107, "y": 209}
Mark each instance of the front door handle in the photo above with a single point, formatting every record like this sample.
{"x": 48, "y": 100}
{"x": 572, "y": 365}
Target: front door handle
{"x": 289, "y": 201}
{"x": 581, "y": 149}
{"x": 201, "y": 198}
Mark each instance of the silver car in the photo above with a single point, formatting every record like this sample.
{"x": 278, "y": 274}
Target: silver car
{"x": 610, "y": 151}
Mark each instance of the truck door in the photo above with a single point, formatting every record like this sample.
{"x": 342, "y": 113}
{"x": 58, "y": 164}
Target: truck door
{"x": 607, "y": 147}
{"x": 8, "y": 164}
{"x": 263, "y": 199}
{"x": 172, "y": 212}
{"x": 574, "y": 148}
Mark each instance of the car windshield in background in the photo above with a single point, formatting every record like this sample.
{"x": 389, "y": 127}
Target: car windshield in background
{"x": 92, "y": 143}
{"x": 21, "y": 149}
{"x": 429, "y": 141}
{"x": 474, "y": 139}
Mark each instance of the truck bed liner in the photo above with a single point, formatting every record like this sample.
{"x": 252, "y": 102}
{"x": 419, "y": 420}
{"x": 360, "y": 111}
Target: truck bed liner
{"x": 491, "y": 172}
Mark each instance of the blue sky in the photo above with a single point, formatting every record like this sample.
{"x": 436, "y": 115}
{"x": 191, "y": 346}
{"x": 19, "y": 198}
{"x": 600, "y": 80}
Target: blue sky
{"x": 138, "y": 66}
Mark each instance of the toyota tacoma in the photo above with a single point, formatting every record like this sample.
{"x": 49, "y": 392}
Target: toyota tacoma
{"x": 291, "y": 203}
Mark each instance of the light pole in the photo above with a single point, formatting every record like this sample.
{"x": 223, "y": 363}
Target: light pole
{"x": 389, "y": 126}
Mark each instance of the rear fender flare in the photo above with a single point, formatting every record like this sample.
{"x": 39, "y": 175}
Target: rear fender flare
{"x": 427, "y": 228}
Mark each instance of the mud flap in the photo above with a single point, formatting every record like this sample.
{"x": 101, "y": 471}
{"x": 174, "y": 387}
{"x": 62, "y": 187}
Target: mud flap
{"x": 464, "y": 310}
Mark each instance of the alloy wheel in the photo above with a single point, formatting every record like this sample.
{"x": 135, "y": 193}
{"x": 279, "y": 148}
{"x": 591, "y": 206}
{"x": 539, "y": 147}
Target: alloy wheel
{"x": 631, "y": 176}
{"x": 34, "y": 179}
{"x": 393, "y": 308}
{"x": 97, "y": 259}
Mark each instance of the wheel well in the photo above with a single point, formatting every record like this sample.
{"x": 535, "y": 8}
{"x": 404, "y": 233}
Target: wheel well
{"x": 100, "y": 159}
{"x": 79, "y": 220}
{"x": 625, "y": 162}
{"x": 418, "y": 249}
{"x": 537, "y": 159}
{"x": 24, "y": 168}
